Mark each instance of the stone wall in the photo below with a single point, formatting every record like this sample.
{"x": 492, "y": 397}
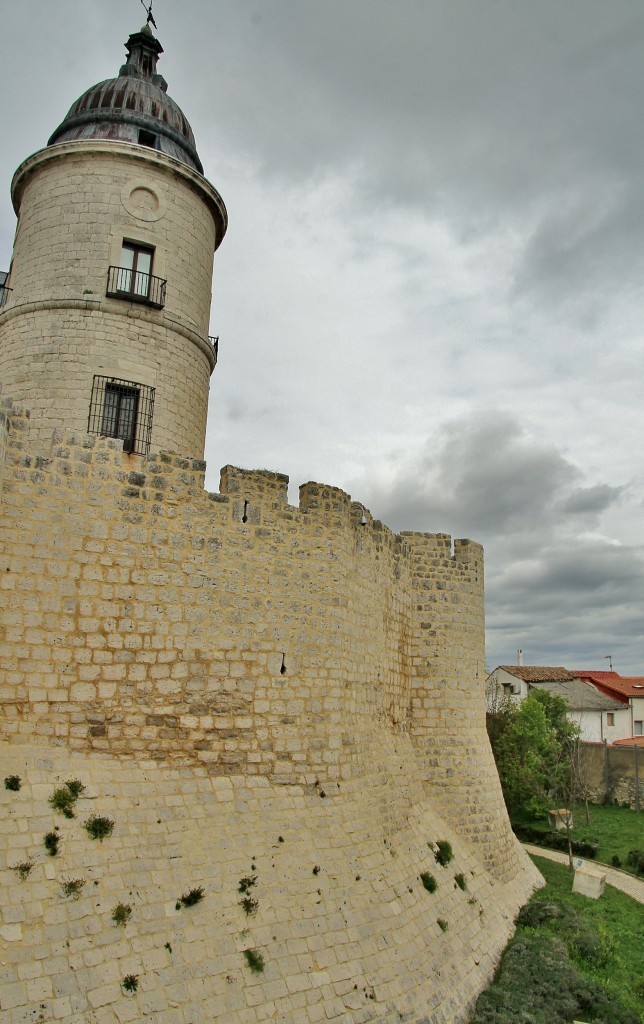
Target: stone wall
{"x": 245, "y": 688}
{"x": 144, "y": 615}
{"x": 347, "y": 931}
{"x": 614, "y": 774}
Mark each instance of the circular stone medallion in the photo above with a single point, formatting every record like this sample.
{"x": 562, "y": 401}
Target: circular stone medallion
{"x": 142, "y": 202}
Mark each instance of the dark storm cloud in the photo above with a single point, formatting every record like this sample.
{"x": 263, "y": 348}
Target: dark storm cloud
{"x": 568, "y": 603}
{"x": 484, "y": 475}
{"x": 589, "y": 500}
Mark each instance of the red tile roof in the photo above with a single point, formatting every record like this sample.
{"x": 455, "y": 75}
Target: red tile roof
{"x": 614, "y": 684}
{"x": 632, "y": 741}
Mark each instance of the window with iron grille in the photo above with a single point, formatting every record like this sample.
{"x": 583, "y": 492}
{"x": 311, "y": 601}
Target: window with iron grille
{"x": 122, "y": 409}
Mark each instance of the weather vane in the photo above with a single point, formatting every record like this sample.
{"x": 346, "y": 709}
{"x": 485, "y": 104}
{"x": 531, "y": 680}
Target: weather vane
{"x": 148, "y": 10}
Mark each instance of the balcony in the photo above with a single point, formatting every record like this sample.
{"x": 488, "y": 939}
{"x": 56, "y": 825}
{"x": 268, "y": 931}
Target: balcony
{"x": 214, "y": 344}
{"x": 135, "y": 287}
{"x": 4, "y": 291}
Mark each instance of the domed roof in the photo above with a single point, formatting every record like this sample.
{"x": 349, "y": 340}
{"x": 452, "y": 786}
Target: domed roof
{"x": 135, "y": 107}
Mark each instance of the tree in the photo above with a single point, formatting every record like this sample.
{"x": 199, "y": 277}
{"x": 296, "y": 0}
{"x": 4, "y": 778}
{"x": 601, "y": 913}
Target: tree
{"x": 533, "y": 745}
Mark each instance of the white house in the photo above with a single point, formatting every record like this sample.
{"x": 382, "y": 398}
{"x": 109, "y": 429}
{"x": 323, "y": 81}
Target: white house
{"x": 601, "y": 717}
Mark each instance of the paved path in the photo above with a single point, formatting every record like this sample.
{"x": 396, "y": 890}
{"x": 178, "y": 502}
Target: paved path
{"x": 629, "y": 884}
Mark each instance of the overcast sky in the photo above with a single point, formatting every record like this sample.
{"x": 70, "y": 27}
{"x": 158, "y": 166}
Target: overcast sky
{"x": 431, "y": 291}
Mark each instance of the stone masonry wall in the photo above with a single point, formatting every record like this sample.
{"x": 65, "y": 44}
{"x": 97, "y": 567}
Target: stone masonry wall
{"x": 614, "y": 774}
{"x": 347, "y": 932}
{"x": 447, "y": 685}
{"x": 141, "y": 614}
{"x": 247, "y": 690}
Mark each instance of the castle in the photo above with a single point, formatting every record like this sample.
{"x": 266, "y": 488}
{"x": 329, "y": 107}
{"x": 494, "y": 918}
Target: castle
{"x": 289, "y": 699}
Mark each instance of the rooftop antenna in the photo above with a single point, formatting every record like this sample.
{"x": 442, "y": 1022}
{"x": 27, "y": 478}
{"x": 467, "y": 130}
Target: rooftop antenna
{"x": 610, "y": 660}
{"x": 148, "y": 10}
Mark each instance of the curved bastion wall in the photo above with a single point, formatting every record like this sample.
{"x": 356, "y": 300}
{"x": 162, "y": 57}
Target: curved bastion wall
{"x": 346, "y": 930}
{"x": 245, "y": 688}
{"x": 143, "y": 616}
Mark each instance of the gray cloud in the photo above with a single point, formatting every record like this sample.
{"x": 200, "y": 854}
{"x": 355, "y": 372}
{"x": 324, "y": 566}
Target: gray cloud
{"x": 484, "y": 475}
{"x": 591, "y": 500}
{"x": 553, "y": 589}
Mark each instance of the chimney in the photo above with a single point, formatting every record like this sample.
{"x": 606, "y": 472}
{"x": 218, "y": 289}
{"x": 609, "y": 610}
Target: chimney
{"x": 519, "y": 657}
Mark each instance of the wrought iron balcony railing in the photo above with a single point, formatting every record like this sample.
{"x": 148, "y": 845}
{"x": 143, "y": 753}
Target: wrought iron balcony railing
{"x": 214, "y": 344}
{"x": 131, "y": 284}
{"x": 4, "y": 294}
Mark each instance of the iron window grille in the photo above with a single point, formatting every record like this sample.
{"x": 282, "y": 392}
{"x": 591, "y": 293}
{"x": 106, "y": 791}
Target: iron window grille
{"x": 122, "y": 409}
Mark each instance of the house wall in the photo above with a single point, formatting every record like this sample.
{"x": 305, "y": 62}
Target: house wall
{"x": 501, "y": 685}
{"x": 637, "y": 715}
{"x": 595, "y": 728}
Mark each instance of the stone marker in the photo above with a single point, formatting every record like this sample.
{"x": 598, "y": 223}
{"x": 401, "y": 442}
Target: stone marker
{"x": 589, "y": 882}
{"x": 560, "y": 819}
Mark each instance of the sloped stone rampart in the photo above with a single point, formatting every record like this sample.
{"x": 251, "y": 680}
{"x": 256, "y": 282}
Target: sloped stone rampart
{"x": 345, "y": 927}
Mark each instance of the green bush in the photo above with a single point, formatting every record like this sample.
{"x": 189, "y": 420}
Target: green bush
{"x": 64, "y": 798}
{"x": 99, "y": 828}
{"x": 52, "y": 842}
{"x": 249, "y": 905}
{"x": 555, "y": 841}
{"x": 635, "y": 860}
{"x": 72, "y": 887}
{"x": 12, "y": 782}
{"x": 190, "y": 898}
{"x": 254, "y": 960}
{"x": 429, "y": 882}
{"x": 537, "y": 984}
{"x": 122, "y": 913}
{"x": 443, "y": 853}
{"x": 461, "y": 881}
{"x": 75, "y": 787}
{"x": 130, "y": 982}
{"x": 23, "y": 869}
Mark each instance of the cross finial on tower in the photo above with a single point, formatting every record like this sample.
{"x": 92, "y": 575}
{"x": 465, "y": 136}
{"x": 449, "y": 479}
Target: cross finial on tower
{"x": 148, "y": 9}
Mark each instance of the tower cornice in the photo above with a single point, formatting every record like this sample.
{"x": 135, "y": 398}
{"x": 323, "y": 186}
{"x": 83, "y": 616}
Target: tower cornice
{"x": 140, "y": 155}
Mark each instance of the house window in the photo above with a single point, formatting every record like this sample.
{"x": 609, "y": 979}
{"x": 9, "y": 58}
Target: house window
{"x": 638, "y": 728}
{"x": 133, "y": 279}
{"x": 122, "y": 409}
{"x": 610, "y": 718}
{"x": 136, "y": 268}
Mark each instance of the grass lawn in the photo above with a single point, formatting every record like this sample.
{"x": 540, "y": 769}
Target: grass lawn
{"x": 583, "y": 961}
{"x": 616, "y": 829}
{"x": 617, "y": 917}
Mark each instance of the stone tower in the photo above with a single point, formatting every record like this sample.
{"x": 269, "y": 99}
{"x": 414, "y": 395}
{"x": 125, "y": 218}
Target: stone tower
{"x": 104, "y": 314}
